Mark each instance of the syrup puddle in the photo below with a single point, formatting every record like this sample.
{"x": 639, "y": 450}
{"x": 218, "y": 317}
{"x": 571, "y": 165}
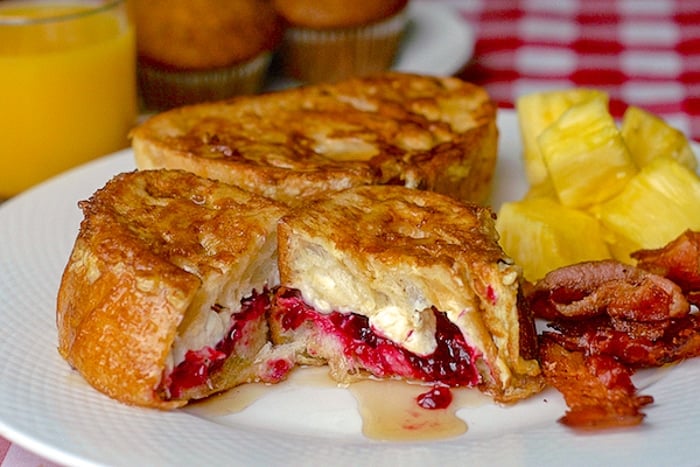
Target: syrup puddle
{"x": 388, "y": 408}
{"x": 232, "y": 401}
{"x": 239, "y": 398}
{"x": 390, "y": 412}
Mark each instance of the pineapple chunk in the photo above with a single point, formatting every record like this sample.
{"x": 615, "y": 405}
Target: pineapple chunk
{"x": 622, "y": 248}
{"x": 656, "y": 206}
{"x": 536, "y": 112}
{"x": 543, "y": 190}
{"x": 648, "y": 137}
{"x": 585, "y": 155}
{"x": 541, "y": 235}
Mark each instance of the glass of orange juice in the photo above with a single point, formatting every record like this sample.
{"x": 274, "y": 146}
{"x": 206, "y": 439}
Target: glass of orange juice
{"x": 67, "y": 86}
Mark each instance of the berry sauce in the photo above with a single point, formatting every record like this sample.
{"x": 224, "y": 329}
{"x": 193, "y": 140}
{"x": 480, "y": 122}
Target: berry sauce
{"x": 451, "y": 364}
{"x": 199, "y": 364}
{"x": 438, "y": 397}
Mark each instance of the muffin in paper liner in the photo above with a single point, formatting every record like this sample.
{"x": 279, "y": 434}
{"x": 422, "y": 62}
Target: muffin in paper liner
{"x": 163, "y": 88}
{"x": 192, "y": 51}
{"x": 327, "y": 55}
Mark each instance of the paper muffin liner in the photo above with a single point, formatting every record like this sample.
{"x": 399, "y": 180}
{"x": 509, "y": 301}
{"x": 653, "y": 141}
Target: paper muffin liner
{"x": 315, "y": 55}
{"x": 162, "y": 88}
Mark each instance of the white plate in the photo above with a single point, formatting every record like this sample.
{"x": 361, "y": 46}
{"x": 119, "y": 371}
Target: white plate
{"x": 48, "y": 409}
{"x": 436, "y": 42}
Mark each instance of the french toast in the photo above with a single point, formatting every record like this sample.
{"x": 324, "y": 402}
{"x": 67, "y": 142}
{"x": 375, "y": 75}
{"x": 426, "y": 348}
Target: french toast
{"x": 394, "y": 282}
{"x": 165, "y": 294}
{"x": 429, "y": 133}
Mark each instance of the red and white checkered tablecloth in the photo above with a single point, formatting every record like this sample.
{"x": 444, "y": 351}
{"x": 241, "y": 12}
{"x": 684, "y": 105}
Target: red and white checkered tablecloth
{"x": 11, "y": 455}
{"x": 642, "y": 52}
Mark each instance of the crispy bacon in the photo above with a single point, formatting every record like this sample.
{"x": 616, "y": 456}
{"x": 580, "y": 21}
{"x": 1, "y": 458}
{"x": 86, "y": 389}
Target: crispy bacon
{"x": 597, "y": 388}
{"x": 593, "y": 288}
{"x": 607, "y": 319}
{"x": 678, "y": 261}
{"x": 637, "y": 345}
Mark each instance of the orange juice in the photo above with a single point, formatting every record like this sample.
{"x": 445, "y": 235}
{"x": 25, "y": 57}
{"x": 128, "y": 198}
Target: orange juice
{"x": 67, "y": 87}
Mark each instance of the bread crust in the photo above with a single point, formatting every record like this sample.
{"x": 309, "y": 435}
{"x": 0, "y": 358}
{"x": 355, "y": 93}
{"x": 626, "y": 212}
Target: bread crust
{"x": 374, "y": 249}
{"x": 433, "y": 133}
{"x": 336, "y": 13}
{"x": 150, "y": 245}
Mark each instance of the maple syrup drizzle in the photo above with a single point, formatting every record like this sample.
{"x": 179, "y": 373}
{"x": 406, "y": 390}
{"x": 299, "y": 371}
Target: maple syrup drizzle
{"x": 388, "y": 408}
{"x": 390, "y": 411}
{"x": 239, "y": 398}
{"x": 232, "y": 401}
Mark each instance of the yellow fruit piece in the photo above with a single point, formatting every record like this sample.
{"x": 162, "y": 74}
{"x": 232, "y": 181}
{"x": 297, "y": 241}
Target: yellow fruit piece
{"x": 585, "y": 155}
{"x": 656, "y": 206}
{"x": 536, "y": 112}
{"x": 647, "y": 137}
{"x": 543, "y": 190}
{"x": 622, "y": 248}
{"x": 541, "y": 235}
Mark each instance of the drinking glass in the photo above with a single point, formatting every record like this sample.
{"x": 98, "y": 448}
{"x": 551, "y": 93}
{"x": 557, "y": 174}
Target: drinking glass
{"x": 67, "y": 86}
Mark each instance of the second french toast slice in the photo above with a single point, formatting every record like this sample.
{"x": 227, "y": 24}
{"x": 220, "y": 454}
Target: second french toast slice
{"x": 431, "y": 133}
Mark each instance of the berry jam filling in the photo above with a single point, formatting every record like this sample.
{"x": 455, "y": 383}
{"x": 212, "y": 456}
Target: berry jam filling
{"x": 199, "y": 364}
{"x": 451, "y": 364}
{"x": 439, "y": 397}
{"x": 274, "y": 371}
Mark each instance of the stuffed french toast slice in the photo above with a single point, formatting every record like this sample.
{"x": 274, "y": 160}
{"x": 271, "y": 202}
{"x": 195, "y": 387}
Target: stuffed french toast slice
{"x": 165, "y": 295}
{"x": 391, "y": 282}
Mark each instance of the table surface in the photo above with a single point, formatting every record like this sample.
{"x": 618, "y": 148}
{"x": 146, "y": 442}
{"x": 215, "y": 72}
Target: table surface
{"x": 642, "y": 52}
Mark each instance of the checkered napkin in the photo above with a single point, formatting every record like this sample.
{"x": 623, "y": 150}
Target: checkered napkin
{"x": 642, "y": 52}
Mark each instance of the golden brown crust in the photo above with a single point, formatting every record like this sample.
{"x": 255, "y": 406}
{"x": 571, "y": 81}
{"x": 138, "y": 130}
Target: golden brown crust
{"x": 337, "y": 13}
{"x": 433, "y": 133}
{"x": 149, "y": 246}
{"x": 204, "y": 34}
{"x": 388, "y": 221}
{"x": 375, "y": 249}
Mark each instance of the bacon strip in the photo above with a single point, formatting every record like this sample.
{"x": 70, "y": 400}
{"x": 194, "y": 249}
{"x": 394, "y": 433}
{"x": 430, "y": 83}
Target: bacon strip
{"x": 637, "y": 345}
{"x": 592, "y": 288}
{"x": 597, "y": 388}
{"x": 608, "y": 319}
{"x": 678, "y": 261}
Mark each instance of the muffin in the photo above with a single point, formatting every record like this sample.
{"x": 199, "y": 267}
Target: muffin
{"x": 201, "y": 50}
{"x": 336, "y": 39}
